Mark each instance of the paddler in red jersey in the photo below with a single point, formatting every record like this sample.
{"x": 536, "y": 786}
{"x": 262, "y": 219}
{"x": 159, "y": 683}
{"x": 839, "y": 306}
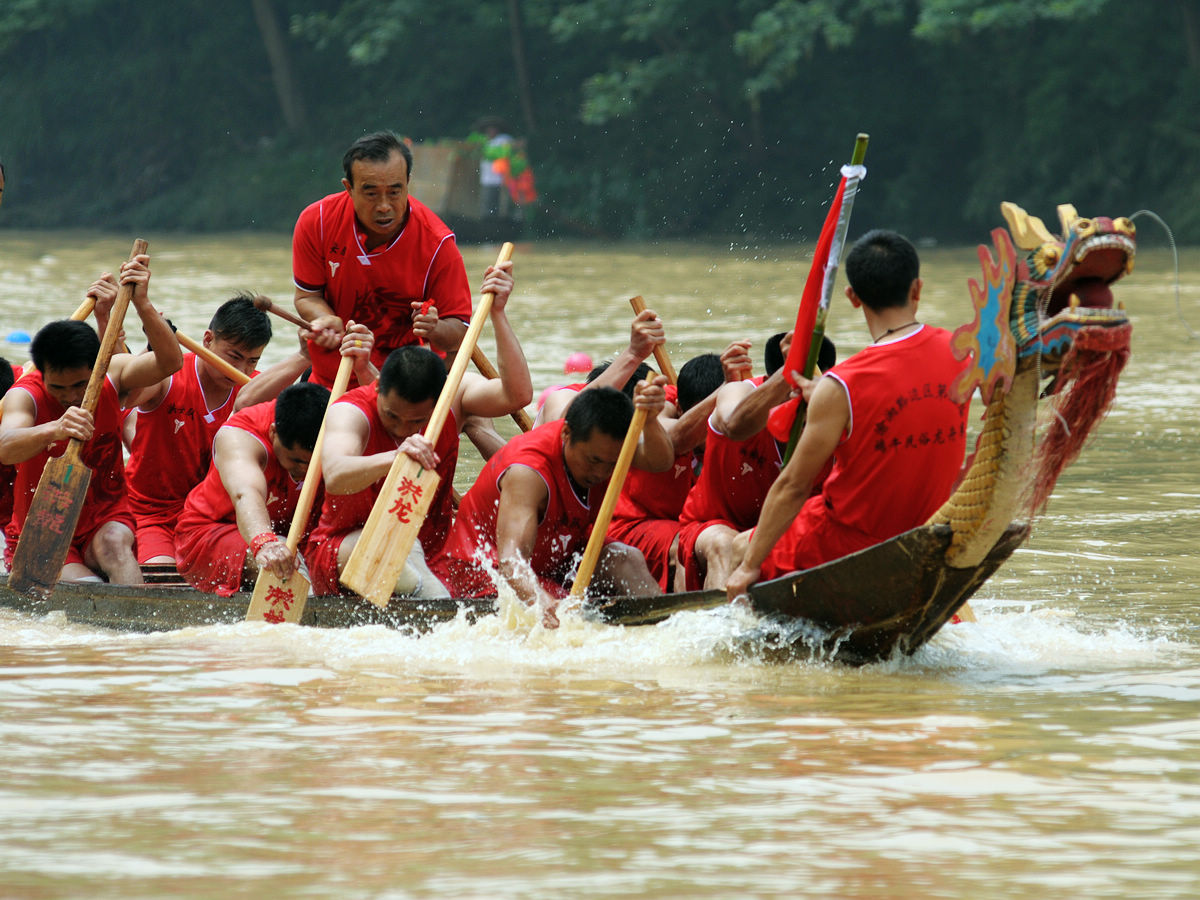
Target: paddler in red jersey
{"x": 41, "y": 412}
{"x": 647, "y": 516}
{"x": 372, "y": 423}
{"x": 177, "y": 420}
{"x": 375, "y": 254}
{"x": 885, "y": 416}
{"x": 233, "y": 522}
{"x": 527, "y": 516}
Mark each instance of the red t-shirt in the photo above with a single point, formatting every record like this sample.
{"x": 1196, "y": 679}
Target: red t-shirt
{"x": 899, "y": 459}
{"x": 377, "y": 288}
{"x": 172, "y": 446}
{"x": 106, "y": 498}
{"x": 562, "y": 529}
{"x": 343, "y": 513}
{"x": 209, "y": 503}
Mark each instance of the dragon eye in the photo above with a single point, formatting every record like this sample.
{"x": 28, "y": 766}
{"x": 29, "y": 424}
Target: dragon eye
{"x": 1124, "y": 226}
{"x": 1083, "y": 227}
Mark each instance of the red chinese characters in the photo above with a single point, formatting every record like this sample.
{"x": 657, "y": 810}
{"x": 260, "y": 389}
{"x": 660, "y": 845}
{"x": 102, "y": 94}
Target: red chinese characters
{"x": 279, "y": 601}
{"x": 408, "y": 492}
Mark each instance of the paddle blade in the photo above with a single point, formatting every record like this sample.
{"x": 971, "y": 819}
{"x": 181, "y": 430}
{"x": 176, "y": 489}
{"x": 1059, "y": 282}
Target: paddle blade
{"x": 391, "y": 530}
{"x": 277, "y": 601}
{"x": 50, "y": 526}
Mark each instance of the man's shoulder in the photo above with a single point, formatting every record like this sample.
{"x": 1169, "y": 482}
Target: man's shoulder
{"x": 327, "y": 209}
{"x": 426, "y": 220}
{"x": 254, "y": 418}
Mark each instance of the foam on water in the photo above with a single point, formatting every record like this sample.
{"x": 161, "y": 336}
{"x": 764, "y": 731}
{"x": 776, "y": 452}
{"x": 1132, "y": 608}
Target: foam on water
{"x": 1023, "y": 641}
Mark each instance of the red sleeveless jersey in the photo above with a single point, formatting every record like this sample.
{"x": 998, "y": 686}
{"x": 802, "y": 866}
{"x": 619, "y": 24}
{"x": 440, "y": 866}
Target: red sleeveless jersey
{"x": 172, "y": 446}
{"x": 907, "y": 437}
{"x": 376, "y": 288}
{"x": 209, "y": 503}
{"x": 734, "y": 479}
{"x": 103, "y": 454}
{"x": 656, "y": 495}
{"x": 8, "y": 475}
{"x": 562, "y": 529}
{"x": 898, "y": 461}
{"x": 343, "y": 513}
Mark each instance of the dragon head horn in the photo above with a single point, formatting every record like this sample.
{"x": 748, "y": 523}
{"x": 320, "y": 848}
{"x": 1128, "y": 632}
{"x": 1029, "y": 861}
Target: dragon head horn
{"x": 1066, "y": 215}
{"x": 1029, "y": 232}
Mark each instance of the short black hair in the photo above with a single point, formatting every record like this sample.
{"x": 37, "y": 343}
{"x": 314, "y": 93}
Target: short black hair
{"x": 64, "y": 344}
{"x": 376, "y": 147}
{"x": 773, "y": 354}
{"x": 238, "y": 320}
{"x": 602, "y": 409}
{"x": 881, "y": 267}
{"x": 299, "y": 411}
{"x": 7, "y": 375}
{"x": 415, "y": 373}
{"x": 699, "y": 377}
{"x": 641, "y": 373}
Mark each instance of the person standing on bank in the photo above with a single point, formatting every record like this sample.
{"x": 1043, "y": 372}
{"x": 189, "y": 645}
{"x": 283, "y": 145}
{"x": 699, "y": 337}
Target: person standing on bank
{"x": 376, "y": 255}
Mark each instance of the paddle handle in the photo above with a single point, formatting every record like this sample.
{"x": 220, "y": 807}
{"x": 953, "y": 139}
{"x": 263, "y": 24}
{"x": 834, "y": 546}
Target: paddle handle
{"x": 237, "y": 375}
{"x": 266, "y": 304}
{"x": 660, "y": 354}
{"x": 591, "y": 555}
{"x": 84, "y": 309}
{"x": 312, "y": 478}
{"x": 465, "y": 350}
{"x": 112, "y": 333}
{"x": 488, "y": 371}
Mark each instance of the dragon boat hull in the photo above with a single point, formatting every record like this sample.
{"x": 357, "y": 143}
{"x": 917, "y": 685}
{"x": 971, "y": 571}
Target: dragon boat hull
{"x": 863, "y": 608}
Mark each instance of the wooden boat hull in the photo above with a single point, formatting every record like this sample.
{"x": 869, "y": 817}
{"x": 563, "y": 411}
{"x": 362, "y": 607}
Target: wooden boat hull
{"x": 889, "y": 598}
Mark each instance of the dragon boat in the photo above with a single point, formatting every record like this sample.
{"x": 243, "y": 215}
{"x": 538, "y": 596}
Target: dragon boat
{"x": 1044, "y": 318}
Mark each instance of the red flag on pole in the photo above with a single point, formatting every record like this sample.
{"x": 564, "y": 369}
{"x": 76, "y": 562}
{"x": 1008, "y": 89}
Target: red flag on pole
{"x": 810, "y": 300}
{"x": 785, "y": 420}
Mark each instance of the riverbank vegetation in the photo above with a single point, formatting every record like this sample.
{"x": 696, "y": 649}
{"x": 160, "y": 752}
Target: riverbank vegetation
{"x": 642, "y": 119}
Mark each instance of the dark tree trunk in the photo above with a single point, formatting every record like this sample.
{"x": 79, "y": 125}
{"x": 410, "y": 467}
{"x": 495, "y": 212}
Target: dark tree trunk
{"x": 291, "y": 104}
{"x": 517, "y": 36}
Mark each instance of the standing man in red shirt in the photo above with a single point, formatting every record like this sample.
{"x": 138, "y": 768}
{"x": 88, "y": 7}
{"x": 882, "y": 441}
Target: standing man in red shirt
{"x": 885, "y": 415}
{"x": 376, "y": 255}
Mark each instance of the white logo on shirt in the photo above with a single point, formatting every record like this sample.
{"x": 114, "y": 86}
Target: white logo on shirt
{"x": 747, "y": 468}
{"x": 271, "y": 498}
{"x": 333, "y": 267}
{"x": 179, "y": 423}
{"x": 679, "y": 469}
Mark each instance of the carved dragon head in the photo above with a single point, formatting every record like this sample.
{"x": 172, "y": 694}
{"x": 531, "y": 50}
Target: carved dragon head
{"x": 1066, "y": 282}
{"x": 1028, "y": 312}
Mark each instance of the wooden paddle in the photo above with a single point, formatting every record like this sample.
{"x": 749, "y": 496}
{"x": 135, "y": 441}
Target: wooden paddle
{"x": 488, "y": 371}
{"x": 237, "y": 375}
{"x": 275, "y": 600}
{"x": 399, "y": 510}
{"x": 266, "y": 304}
{"x": 50, "y": 525}
{"x": 660, "y": 354}
{"x": 595, "y": 544}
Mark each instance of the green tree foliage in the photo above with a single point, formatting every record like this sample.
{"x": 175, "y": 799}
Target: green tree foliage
{"x": 671, "y": 117}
